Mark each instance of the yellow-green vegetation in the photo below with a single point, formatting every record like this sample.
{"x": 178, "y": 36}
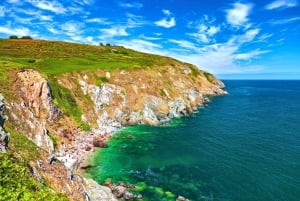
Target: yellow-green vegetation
{"x": 209, "y": 77}
{"x": 64, "y": 99}
{"x": 16, "y": 181}
{"x": 54, "y": 58}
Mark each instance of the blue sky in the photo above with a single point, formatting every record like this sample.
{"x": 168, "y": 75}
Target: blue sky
{"x": 248, "y": 39}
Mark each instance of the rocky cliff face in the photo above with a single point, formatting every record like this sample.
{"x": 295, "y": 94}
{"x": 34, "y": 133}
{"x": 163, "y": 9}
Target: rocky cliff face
{"x": 33, "y": 107}
{"x": 4, "y": 136}
{"x": 144, "y": 97}
{"x": 152, "y": 96}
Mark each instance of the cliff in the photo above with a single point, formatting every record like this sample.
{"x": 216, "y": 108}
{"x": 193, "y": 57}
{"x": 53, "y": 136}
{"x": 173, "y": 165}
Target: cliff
{"x": 68, "y": 98}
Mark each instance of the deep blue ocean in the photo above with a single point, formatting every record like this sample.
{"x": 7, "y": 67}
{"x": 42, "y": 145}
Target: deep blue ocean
{"x": 244, "y": 146}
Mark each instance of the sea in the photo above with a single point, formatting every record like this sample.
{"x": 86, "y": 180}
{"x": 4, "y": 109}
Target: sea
{"x": 244, "y": 146}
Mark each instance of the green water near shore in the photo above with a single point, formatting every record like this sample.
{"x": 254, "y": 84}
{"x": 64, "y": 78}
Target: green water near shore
{"x": 241, "y": 147}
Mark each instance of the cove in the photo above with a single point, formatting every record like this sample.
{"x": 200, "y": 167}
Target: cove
{"x": 241, "y": 147}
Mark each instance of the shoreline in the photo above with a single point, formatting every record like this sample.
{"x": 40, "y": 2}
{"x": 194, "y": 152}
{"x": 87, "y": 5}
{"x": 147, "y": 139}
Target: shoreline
{"x": 84, "y": 163}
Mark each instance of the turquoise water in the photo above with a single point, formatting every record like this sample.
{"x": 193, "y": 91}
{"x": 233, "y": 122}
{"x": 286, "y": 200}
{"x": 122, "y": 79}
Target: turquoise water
{"x": 241, "y": 147}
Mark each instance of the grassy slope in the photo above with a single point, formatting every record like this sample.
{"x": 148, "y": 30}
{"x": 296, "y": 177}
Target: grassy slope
{"x": 16, "y": 182}
{"x": 54, "y": 58}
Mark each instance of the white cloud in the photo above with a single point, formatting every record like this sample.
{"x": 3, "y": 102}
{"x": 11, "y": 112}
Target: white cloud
{"x": 114, "y": 31}
{"x": 13, "y": 1}
{"x": 52, "y": 30}
{"x": 141, "y": 45}
{"x": 168, "y": 21}
{"x": 248, "y": 36}
{"x": 97, "y": 20}
{"x": 72, "y": 28}
{"x": 166, "y": 12}
{"x": 84, "y": 2}
{"x": 285, "y": 21}
{"x": 281, "y": 4}
{"x": 17, "y": 31}
{"x": 135, "y": 21}
{"x": 213, "y": 30}
{"x": 149, "y": 38}
{"x": 184, "y": 44}
{"x": 131, "y": 5}
{"x": 2, "y": 11}
{"x": 249, "y": 55}
{"x": 52, "y": 6}
{"x": 46, "y": 17}
{"x": 238, "y": 15}
{"x": 205, "y": 32}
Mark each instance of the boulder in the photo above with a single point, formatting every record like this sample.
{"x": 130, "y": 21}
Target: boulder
{"x": 99, "y": 142}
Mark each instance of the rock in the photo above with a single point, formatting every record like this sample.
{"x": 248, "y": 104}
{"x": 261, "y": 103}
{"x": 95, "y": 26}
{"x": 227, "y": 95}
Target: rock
{"x": 35, "y": 93}
{"x": 177, "y": 108}
{"x": 181, "y": 198}
{"x": 99, "y": 142}
{"x": 97, "y": 192}
{"x": 118, "y": 191}
{"x": 4, "y": 136}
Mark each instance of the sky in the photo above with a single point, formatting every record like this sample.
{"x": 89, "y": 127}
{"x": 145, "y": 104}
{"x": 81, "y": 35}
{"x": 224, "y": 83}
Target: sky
{"x": 255, "y": 39}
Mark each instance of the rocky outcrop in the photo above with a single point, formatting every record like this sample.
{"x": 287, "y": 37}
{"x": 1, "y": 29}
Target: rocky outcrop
{"x": 34, "y": 108}
{"x": 113, "y": 111}
{"x": 4, "y": 136}
{"x": 97, "y": 192}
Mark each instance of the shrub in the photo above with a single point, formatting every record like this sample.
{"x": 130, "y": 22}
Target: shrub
{"x": 13, "y": 37}
{"x": 26, "y": 37}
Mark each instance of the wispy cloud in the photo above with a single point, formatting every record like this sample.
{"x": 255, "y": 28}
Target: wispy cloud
{"x": 52, "y": 6}
{"x": 2, "y": 11}
{"x": 168, "y": 21}
{"x": 16, "y": 31}
{"x": 285, "y": 21}
{"x": 13, "y": 1}
{"x": 238, "y": 14}
{"x": 250, "y": 55}
{"x": 131, "y": 5}
{"x": 281, "y": 4}
{"x": 113, "y": 32}
{"x": 141, "y": 45}
{"x": 184, "y": 44}
{"x": 135, "y": 21}
{"x": 205, "y": 32}
{"x": 97, "y": 20}
{"x": 72, "y": 28}
{"x": 84, "y": 2}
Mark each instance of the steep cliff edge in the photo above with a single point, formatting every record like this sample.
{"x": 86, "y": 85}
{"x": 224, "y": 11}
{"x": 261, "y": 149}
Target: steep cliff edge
{"x": 68, "y": 98}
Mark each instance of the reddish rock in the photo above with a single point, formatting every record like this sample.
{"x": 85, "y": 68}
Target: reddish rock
{"x": 99, "y": 142}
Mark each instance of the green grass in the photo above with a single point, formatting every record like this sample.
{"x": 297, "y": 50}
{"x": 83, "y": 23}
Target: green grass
{"x": 101, "y": 80}
{"x": 16, "y": 182}
{"x": 54, "y": 58}
{"x": 208, "y": 76}
{"x": 64, "y": 99}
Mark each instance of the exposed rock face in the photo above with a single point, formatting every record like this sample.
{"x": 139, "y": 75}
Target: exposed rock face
{"x": 4, "y": 136}
{"x": 35, "y": 107}
{"x": 35, "y": 93}
{"x": 114, "y": 110}
{"x": 97, "y": 192}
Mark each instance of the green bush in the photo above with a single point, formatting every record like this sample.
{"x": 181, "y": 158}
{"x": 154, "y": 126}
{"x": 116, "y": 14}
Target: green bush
{"x": 26, "y": 37}
{"x": 16, "y": 183}
{"x": 13, "y": 37}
